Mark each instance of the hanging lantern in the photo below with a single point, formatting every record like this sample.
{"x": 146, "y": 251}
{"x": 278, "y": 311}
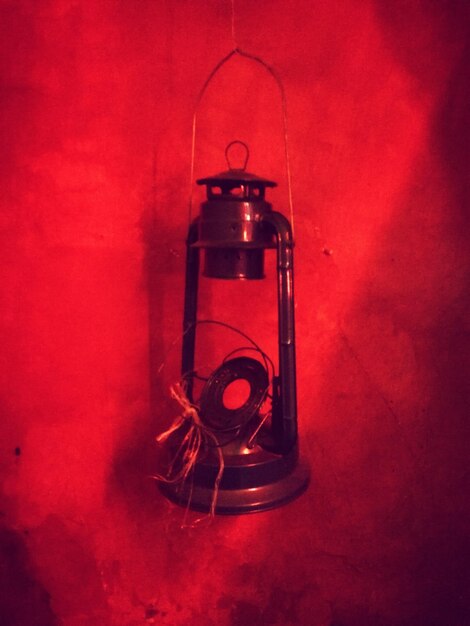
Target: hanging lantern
{"x": 247, "y": 457}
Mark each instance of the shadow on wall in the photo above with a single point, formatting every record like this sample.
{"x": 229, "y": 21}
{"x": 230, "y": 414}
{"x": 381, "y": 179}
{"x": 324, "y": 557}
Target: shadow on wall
{"x": 443, "y": 558}
{"x": 420, "y": 296}
{"x": 23, "y": 599}
{"x": 136, "y": 460}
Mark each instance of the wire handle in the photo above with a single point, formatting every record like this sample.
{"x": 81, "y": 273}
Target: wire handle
{"x": 280, "y": 85}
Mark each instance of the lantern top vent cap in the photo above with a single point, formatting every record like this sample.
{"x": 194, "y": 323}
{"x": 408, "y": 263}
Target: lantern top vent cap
{"x": 239, "y": 177}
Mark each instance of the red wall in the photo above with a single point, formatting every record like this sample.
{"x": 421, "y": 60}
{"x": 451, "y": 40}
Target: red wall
{"x": 96, "y": 136}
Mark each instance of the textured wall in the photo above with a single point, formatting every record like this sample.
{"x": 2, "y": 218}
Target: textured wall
{"x": 97, "y": 100}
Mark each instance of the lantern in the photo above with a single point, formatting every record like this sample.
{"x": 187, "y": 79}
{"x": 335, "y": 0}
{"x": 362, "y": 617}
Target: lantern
{"x": 251, "y": 456}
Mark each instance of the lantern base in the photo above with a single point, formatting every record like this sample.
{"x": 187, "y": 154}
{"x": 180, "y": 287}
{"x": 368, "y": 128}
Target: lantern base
{"x": 244, "y": 488}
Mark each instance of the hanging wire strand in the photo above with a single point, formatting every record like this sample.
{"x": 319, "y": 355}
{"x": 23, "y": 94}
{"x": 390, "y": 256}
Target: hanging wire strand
{"x": 234, "y": 39}
{"x": 197, "y": 436}
{"x": 206, "y": 322}
{"x": 252, "y": 57}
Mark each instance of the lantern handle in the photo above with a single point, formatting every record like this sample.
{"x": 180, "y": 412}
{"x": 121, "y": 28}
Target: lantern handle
{"x": 237, "y": 51}
{"x": 247, "y": 154}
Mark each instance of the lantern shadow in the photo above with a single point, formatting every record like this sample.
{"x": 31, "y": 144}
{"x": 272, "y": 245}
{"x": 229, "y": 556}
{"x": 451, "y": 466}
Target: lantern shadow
{"x": 137, "y": 457}
{"x": 400, "y": 374}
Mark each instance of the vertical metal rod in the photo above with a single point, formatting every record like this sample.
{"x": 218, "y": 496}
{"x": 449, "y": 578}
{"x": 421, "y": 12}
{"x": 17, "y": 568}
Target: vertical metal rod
{"x": 190, "y": 308}
{"x": 285, "y": 423}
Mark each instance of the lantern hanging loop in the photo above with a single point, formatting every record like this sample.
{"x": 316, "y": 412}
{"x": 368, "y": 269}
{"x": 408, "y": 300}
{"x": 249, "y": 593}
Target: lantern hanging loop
{"x": 256, "y": 59}
{"x": 227, "y": 155}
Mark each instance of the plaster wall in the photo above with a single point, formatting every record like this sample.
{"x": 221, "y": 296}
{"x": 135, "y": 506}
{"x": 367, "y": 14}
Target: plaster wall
{"x": 97, "y": 101}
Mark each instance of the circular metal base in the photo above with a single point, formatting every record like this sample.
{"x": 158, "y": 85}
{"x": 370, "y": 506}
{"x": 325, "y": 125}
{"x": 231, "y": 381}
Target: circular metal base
{"x": 245, "y": 500}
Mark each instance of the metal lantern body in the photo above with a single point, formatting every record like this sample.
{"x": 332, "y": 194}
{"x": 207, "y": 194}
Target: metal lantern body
{"x": 231, "y": 227}
{"x": 261, "y": 465}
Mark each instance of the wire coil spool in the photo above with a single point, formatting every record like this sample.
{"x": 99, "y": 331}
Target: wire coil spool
{"x": 214, "y": 413}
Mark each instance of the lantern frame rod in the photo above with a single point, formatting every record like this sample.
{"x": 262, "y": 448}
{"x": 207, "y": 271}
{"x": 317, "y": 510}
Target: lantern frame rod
{"x": 285, "y": 406}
